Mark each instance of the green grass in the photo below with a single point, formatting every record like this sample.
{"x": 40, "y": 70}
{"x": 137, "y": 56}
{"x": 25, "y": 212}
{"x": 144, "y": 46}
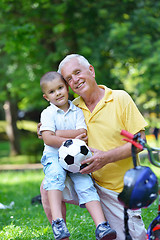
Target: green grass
{"x": 28, "y": 222}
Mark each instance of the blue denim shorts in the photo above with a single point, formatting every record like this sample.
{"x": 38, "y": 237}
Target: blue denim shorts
{"x": 55, "y": 177}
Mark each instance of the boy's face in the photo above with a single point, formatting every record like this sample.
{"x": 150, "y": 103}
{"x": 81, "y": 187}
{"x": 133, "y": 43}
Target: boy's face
{"x": 56, "y": 92}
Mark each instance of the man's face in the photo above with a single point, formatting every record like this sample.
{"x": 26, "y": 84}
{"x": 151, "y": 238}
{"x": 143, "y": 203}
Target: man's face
{"x": 78, "y": 76}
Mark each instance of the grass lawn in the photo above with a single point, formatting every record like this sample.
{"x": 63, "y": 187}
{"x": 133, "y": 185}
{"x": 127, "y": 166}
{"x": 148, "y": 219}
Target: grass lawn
{"x": 26, "y": 221}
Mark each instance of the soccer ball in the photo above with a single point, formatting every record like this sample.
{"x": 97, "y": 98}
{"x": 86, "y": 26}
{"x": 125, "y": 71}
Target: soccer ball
{"x": 72, "y": 153}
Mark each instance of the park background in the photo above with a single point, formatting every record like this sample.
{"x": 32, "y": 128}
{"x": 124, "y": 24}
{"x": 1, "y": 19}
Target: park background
{"x": 120, "y": 38}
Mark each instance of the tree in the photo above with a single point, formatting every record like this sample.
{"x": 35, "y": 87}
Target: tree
{"x": 136, "y": 47}
{"x": 119, "y": 38}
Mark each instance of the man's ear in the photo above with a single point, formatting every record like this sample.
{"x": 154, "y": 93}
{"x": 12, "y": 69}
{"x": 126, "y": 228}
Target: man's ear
{"x": 91, "y": 69}
{"x": 45, "y": 97}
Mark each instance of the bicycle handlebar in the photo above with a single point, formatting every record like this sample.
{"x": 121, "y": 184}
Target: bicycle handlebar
{"x": 127, "y": 134}
{"x": 140, "y": 143}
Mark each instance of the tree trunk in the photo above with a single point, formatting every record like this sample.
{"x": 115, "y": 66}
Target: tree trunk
{"x": 10, "y": 108}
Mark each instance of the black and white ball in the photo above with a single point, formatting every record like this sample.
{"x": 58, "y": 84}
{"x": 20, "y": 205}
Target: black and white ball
{"x": 71, "y": 153}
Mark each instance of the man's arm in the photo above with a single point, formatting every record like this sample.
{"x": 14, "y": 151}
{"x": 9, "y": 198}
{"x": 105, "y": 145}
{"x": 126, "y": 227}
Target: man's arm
{"x": 101, "y": 158}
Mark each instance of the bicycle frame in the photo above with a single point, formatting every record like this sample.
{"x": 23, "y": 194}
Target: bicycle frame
{"x": 153, "y": 231}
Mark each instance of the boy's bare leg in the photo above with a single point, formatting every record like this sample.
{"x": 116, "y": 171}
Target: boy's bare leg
{"x": 46, "y": 206}
{"x": 55, "y": 202}
{"x": 95, "y": 210}
{"x": 45, "y": 203}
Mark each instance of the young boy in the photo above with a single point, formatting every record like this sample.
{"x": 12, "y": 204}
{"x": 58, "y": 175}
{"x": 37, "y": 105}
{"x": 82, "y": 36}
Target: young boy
{"x": 61, "y": 121}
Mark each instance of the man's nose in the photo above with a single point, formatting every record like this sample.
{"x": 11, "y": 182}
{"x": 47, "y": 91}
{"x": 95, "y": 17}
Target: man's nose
{"x": 75, "y": 78}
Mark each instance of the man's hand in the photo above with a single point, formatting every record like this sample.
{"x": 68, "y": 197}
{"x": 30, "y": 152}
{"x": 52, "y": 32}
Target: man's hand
{"x": 97, "y": 161}
{"x": 101, "y": 158}
{"x": 38, "y": 131}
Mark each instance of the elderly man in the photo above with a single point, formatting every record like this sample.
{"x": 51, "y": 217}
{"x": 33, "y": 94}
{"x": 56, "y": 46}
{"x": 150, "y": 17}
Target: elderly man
{"x": 106, "y": 113}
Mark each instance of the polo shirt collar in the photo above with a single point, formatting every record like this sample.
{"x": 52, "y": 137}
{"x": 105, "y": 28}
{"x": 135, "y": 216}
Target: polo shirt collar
{"x": 108, "y": 96}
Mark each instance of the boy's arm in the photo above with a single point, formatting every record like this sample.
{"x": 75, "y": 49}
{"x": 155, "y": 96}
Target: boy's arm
{"x": 80, "y": 127}
{"x": 55, "y": 138}
{"x": 70, "y": 133}
{"x": 51, "y": 139}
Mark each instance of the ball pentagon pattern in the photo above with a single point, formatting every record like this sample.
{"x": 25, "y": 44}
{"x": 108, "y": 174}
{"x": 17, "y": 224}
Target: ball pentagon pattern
{"x": 72, "y": 153}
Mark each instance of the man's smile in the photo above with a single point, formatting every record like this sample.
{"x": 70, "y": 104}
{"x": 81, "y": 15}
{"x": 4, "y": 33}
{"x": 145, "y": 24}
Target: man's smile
{"x": 81, "y": 84}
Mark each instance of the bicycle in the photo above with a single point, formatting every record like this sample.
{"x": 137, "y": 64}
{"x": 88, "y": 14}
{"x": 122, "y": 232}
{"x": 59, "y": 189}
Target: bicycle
{"x": 153, "y": 231}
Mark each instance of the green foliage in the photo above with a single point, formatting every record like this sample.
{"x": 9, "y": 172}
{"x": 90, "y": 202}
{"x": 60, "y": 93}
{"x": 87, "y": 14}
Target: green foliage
{"x": 121, "y": 40}
{"x": 31, "y": 146}
{"x": 135, "y": 44}
{"x": 31, "y": 150}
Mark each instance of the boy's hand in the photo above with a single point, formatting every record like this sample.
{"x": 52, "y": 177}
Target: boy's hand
{"x": 83, "y": 137}
{"x": 38, "y": 131}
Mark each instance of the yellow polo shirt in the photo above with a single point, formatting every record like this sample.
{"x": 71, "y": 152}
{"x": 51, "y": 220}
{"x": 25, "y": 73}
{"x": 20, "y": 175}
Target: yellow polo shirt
{"x": 115, "y": 111}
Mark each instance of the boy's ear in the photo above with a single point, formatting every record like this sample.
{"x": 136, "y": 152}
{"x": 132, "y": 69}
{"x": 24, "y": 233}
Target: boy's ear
{"x": 45, "y": 97}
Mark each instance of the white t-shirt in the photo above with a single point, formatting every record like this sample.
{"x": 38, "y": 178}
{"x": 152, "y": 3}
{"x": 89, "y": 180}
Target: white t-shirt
{"x": 54, "y": 118}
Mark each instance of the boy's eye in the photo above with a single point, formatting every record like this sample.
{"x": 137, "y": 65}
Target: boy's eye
{"x": 78, "y": 72}
{"x": 51, "y": 92}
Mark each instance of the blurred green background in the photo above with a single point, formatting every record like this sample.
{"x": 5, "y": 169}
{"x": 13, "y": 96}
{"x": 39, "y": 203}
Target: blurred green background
{"x": 119, "y": 38}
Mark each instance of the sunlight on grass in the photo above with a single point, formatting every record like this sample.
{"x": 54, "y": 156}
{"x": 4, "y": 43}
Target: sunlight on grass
{"x": 23, "y": 124}
{"x": 18, "y": 231}
{"x": 19, "y": 177}
{"x": 26, "y": 221}
{"x": 23, "y": 232}
{"x": 27, "y": 125}
{"x": 21, "y": 159}
{"x": 3, "y": 125}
